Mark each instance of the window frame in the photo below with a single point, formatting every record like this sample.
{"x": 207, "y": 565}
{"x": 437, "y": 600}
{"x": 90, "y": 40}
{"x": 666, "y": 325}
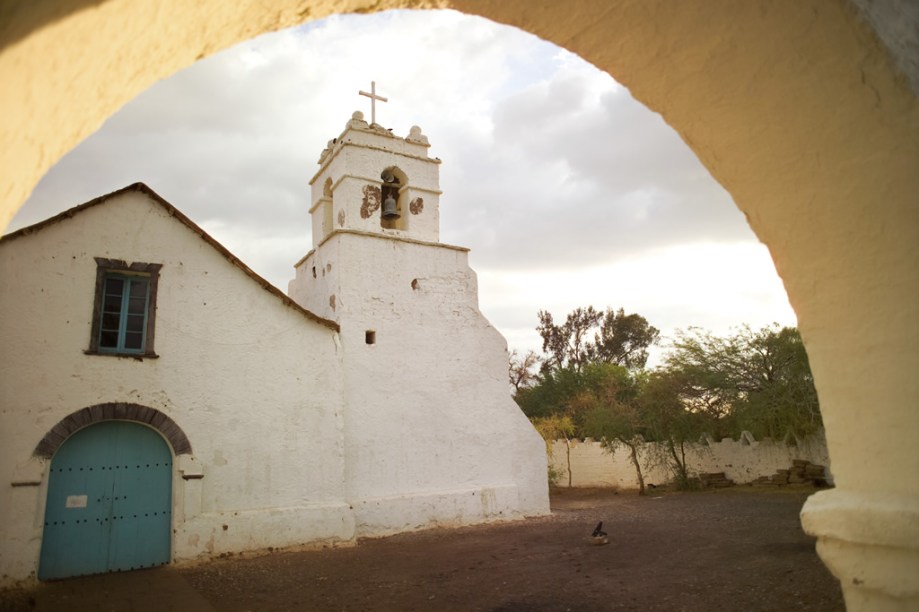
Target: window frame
{"x": 106, "y": 268}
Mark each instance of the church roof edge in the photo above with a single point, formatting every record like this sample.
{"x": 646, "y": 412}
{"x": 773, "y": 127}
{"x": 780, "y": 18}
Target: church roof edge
{"x": 179, "y": 215}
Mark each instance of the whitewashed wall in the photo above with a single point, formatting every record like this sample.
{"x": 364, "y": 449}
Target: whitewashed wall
{"x": 432, "y": 436}
{"x": 255, "y": 385}
{"x": 431, "y": 433}
{"x": 742, "y": 461}
{"x": 299, "y": 433}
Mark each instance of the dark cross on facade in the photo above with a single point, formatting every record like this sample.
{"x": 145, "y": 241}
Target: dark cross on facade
{"x": 373, "y": 100}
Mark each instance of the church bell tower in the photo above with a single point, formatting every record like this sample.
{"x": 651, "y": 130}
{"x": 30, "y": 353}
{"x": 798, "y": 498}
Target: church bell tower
{"x": 374, "y": 206}
{"x": 415, "y": 352}
{"x": 370, "y": 180}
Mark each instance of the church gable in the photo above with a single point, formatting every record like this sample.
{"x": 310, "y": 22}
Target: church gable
{"x": 132, "y": 318}
{"x": 115, "y": 216}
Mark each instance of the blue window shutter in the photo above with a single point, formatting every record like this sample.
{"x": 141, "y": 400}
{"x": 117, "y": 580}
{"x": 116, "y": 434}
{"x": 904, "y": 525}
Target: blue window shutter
{"x": 125, "y": 307}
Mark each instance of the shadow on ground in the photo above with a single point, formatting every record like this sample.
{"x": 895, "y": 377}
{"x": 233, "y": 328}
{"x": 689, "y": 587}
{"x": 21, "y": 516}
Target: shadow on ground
{"x": 734, "y": 549}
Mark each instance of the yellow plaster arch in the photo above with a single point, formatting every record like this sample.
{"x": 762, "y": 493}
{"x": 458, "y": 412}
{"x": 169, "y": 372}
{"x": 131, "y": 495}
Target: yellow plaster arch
{"x": 793, "y": 106}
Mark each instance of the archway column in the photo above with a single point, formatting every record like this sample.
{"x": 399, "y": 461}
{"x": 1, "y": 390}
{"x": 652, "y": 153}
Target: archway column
{"x": 871, "y": 543}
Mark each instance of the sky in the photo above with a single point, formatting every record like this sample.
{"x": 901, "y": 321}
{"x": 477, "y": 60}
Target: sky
{"x": 568, "y": 191}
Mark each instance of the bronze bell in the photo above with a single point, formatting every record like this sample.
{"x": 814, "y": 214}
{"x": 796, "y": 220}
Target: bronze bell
{"x": 390, "y": 210}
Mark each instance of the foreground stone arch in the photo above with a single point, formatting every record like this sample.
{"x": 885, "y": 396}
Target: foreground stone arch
{"x": 795, "y": 107}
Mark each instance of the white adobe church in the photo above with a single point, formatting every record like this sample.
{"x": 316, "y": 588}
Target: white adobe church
{"x": 162, "y": 402}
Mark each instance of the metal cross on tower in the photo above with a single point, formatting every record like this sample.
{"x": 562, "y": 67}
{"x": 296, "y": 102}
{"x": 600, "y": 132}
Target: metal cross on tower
{"x": 373, "y": 100}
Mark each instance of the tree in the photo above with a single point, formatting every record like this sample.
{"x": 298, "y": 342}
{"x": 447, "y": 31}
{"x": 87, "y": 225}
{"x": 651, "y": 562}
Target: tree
{"x": 759, "y": 381}
{"x": 564, "y": 345}
{"x": 555, "y": 391}
{"x": 612, "y": 415}
{"x": 554, "y": 407}
{"x": 553, "y": 428}
{"x": 591, "y": 336}
{"x": 550, "y": 395}
{"x": 669, "y": 423}
{"x": 623, "y": 339}
{"x": 521, "y": 369}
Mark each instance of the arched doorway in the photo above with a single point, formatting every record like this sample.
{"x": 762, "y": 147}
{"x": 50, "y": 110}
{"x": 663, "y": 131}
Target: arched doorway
{"x": 109, "y": 502}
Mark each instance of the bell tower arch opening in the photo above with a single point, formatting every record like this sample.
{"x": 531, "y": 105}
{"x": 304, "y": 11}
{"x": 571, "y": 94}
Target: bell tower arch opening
{"x": 327, "y": 208}
{"x": 392, "y": 191}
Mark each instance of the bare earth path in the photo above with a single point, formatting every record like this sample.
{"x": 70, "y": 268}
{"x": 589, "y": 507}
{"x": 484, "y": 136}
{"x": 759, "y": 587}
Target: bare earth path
{"x": 732, "y": 549}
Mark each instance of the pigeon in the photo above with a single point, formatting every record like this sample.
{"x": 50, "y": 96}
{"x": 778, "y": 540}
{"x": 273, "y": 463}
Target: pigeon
{"x": 598, "y": 532}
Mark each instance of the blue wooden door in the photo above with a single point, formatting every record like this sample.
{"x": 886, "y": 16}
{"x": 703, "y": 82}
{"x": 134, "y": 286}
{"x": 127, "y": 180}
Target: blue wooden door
{"x": 109, "y": 502}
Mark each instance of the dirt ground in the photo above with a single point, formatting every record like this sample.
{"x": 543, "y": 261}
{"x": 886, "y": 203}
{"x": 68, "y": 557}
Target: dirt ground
{"x": 729, "y": 549}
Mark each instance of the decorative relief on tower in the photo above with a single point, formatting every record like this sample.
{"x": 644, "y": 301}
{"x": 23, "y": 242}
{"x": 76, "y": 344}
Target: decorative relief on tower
{"x": 341, "y": 218}
{"x": 371, "y": 203}
{"x": 416, "y": 206}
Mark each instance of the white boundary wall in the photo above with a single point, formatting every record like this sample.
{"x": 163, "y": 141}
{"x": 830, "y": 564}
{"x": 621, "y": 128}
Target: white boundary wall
{"x": 742, "y": 461}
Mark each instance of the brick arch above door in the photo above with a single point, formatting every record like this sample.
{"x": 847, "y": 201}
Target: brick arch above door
{"x": 113, "y": 411}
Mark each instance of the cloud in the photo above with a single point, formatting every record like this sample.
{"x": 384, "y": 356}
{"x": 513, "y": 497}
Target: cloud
{"x": 571, "y": 157}
{"x": 716, "y": 286}
{"x": 551, "y": 172}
